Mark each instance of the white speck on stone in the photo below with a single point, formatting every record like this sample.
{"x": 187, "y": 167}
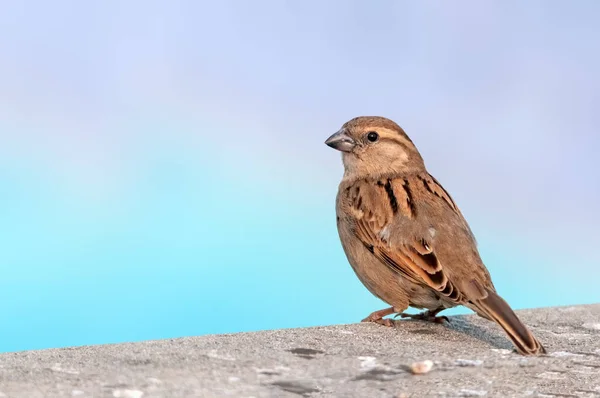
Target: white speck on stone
{"x": 575, "y": 336}
{"x": 567, "y": 309}
{"x": 592, "y": 326}
{"x": 272, "y": 371}
{"x": 338, "y": 331}
{"x": 550, "y": 375}
{"x": 233, "y": 379}
{"x": 432, "y": 232}
{"x": 419, "y": 368}
{"x": 215, "y": 355}
{"x": 468, "y": 362}
{"x": 128, "y": 394}
{"x": 367, "y": 363}
{"x": 76, "y": 393}
{"x": 561, "y": 354}
{"x": 587, "y": 370}
{"x": 2, "y": 395}
{"x": 59, "y": 369}
{"x": 472, "y": 393}
{"x": 502, "y": 351}
{"x": 565, "y": 334}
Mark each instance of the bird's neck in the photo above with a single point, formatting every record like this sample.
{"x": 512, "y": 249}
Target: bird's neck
{"x": 350, "y": 176}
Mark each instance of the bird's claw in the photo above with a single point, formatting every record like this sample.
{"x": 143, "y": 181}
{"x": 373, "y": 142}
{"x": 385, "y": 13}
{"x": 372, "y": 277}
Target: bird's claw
{"x": 378, "y": 317}
{"x": 425, "y": 316}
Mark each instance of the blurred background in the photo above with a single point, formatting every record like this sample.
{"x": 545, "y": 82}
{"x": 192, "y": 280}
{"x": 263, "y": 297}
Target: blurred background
{"x": 163, "y": 172}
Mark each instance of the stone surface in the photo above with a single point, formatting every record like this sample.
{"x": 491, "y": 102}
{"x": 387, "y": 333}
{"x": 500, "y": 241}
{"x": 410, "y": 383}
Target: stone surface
{"x": 471, "y": 358}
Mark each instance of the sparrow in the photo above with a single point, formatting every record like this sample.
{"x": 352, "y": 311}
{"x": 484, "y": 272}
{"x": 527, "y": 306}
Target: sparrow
{"x": 404, "y": 235}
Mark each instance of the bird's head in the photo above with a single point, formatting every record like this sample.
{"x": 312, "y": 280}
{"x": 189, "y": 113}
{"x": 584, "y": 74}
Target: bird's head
{"x": 373, "y": 146}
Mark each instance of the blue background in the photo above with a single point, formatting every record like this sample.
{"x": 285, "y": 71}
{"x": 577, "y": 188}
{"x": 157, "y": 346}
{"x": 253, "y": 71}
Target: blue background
{"x": 163, "y": 172}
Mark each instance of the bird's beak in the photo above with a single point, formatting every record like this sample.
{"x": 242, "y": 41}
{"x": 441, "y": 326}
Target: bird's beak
{"x": 341, "y": 141}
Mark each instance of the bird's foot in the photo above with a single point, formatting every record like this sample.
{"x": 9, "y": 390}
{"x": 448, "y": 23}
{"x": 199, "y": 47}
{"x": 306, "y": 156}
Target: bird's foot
{"x": 378, "y": 317}
{"x": 429, "y": 316}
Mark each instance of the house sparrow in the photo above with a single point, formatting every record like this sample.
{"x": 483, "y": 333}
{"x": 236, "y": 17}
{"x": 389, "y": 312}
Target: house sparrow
{"x": 404, "y": 236}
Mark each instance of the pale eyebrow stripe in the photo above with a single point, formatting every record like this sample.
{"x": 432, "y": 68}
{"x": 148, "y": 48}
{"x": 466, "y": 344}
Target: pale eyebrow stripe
{"x": 397, "y": 136}
{"x": 392, "y": 133}
{"x": 397, "y": 141}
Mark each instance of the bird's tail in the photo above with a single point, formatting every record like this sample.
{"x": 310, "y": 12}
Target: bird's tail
{"x": 496, "y": 309}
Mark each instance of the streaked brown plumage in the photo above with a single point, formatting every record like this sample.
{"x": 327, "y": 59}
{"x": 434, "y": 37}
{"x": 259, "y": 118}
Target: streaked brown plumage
{"x": 405, "y": 237}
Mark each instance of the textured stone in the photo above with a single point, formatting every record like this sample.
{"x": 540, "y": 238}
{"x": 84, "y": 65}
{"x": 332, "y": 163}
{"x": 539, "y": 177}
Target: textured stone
{"x": 471, "y": 358}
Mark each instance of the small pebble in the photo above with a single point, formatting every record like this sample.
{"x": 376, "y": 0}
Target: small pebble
{"x": 419, "y": 368}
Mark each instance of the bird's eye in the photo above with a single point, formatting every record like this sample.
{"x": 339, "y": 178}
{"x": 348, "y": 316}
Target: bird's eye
{"x": 372, "y": 136}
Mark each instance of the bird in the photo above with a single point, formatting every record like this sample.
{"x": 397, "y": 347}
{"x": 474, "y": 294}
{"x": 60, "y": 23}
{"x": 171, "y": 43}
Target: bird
{"x": 404, "y": 236}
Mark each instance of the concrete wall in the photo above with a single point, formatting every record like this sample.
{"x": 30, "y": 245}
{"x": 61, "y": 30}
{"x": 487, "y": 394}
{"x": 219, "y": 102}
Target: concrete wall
{"x": 470, "y": 358}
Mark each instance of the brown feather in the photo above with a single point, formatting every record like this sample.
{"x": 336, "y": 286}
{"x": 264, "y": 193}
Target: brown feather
{"x": 495, "y": 308}
{"x": 434, "y": 187}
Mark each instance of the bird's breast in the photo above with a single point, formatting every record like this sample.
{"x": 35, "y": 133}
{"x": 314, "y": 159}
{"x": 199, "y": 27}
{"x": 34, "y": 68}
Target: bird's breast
{"x": 377, "y": 277}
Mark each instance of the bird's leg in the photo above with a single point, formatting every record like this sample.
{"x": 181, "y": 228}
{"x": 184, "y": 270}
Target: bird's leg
{"x": 429, "y": 315}
{"x": 377, "y": 317}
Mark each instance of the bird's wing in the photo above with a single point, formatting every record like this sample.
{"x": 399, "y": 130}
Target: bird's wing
{"x": 379, "y": 209}
{"x": 384, "y": 214}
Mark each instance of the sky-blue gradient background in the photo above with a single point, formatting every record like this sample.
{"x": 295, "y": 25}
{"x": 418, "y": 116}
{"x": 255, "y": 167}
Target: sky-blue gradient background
{"x": 163, "y": 172}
